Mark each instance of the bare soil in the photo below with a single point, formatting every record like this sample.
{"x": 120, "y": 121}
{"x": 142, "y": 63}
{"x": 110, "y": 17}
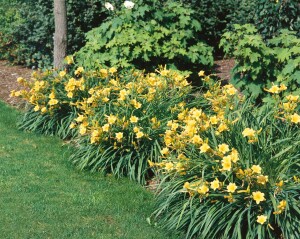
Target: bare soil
{"x": 9, "y": 75}
{"x": 223, "y": 68}
{"x": 8, "y": 81}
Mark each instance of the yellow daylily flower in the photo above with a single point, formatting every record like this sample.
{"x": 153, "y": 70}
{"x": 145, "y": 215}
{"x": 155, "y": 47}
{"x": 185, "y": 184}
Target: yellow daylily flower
{"x": 231, "y": 187}
{"x": 261, "y": 219}
{"x": 258, "y": 197}
{"x": 248, "y": 132}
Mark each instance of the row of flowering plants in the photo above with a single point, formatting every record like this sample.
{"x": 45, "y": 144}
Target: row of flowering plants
{"x": 122, "y": 122}
{"x": 226, "y": 168}
{"x": 232, "y": 170}
{"x": 52, "y": 98}
{"x": 116, "y": 119}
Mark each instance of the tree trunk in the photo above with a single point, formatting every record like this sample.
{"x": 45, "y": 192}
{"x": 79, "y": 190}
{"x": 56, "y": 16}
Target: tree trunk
{"x": 60, "y": 35}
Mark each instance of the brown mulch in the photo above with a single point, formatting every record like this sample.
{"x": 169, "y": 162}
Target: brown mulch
{"x": 8, "y": 81}
{"x": 223, "y": 68}
{"x": 9, "y": 75}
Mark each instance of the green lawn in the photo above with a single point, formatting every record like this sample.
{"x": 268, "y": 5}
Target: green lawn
{"x": 43, "y": 196}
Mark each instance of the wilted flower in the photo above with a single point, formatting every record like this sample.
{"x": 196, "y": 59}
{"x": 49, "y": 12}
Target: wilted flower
{"x": 20, "y": 80}
{"x": 128, "y": 4}
{"x": 262, "y": 179}
{"x": 281, "y": 207}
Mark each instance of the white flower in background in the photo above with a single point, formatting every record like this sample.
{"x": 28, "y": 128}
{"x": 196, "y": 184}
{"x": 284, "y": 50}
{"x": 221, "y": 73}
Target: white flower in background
{"x": 109, "y": 6}
{"x": 128, "y": 4}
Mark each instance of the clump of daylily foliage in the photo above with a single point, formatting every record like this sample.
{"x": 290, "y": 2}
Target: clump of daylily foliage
{"x": 227, "y": 168}
{"x": 122, "y": 121}
{"x": 232, "y": 170}
{"x": 119, "y": 119}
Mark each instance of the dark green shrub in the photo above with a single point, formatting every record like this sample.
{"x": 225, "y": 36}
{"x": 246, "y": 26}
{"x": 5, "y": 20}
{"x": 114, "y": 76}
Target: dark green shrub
{"x": 242, "y": 12}
{"x": 272, "y": 16}
{"x": 32, "y": 40}
{"x": 269, "y": 16}
{"x": 9, "y": 19}
{"x": 216, "y": 16}
{"x": 213, "y": 18}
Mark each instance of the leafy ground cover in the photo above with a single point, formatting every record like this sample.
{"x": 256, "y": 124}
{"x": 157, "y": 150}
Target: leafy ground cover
{"x": 42, "y": 196}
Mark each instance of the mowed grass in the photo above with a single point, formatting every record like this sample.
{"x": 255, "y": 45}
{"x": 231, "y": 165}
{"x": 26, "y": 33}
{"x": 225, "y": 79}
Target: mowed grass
{"x": 43, "y": 196}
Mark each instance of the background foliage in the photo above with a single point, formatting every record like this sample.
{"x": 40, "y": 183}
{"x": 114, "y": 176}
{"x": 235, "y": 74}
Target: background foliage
{"x": 27, "y": 26}
{"x": 216, "y": 16}
{"x": 9, "y": 19}
{"x": 272, "y": 16}
{"x": 150, "y": 34}
{"x": 29, "y": 41}
{"x": 259, "y": 63}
